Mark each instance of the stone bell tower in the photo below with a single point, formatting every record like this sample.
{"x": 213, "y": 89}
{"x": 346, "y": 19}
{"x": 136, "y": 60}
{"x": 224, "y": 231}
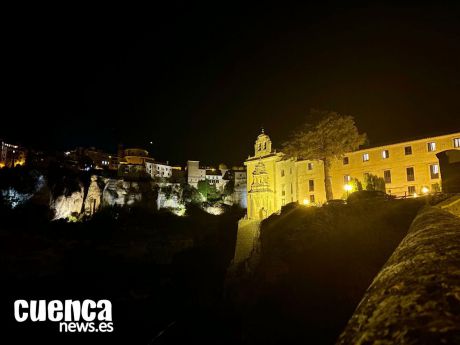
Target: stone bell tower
{"x": 263, "y": 145}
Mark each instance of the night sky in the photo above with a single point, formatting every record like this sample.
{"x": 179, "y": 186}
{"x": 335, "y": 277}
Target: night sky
{"x": 200, "y": 80}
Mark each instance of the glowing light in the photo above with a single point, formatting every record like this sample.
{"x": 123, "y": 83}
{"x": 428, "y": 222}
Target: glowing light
{"x": 415, "y": 195}
{"x": 348, "y": 187}
{"x": 306, "y": 202}
{"x": 425, "y": 190}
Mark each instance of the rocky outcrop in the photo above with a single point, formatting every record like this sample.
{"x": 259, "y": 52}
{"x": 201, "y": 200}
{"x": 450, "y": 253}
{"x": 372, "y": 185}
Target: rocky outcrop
{"x": 65, "y": 206}
{"x": 93, "y": 197}
{"x": 120, "y": 193}
{"x": 415, "y": 299}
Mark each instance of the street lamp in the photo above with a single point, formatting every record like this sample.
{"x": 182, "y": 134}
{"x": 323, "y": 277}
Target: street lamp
{"x": 348, "y": 188}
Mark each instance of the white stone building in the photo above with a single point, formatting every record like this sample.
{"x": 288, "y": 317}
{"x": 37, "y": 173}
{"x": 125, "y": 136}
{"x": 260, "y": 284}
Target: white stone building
{"x": 157, "y": 169}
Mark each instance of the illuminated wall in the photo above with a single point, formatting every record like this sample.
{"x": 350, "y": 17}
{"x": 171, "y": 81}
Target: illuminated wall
{"x": 408, "y": 168}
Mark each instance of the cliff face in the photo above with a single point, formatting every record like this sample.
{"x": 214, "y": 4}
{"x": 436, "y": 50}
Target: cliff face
{"x": 415, "y": 299}
{"x": 120, "y": 193}
{"x": 65, "y": 206}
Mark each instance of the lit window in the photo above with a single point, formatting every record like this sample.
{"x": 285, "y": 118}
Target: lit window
{"x": 431, "y": 146}
{"x": 387, "y": 176}
{"x": 346, "y": 178}
{"x": 457, "y": 143}
{"x": 310, "y": 166}
{"x": 408, "y": 150}
{"x": 434, "y": 171}
{"x": 385, "y": 154}
{"x": 346, "y": 160}
{"x": 410, "y": 174}
{"x": 365, "y": 157}
{"x": 311, "y": 185}
{"x": 312, "y": 198}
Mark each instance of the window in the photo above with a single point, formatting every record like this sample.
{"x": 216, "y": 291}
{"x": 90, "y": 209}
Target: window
{"x": 431, "y": 146}
{"x": 410, "y": 174}
{"x": 283, "y": 190}
{"x": 408, "y": 150}
{"x": 290, "y": 171}
{"x": 411, "y": 189}
{"x": 312, "y": 198}
{"x": 434, "y": 171}
{"x": 346, "y": 179}
{"x": 346, "y": 160}
{"x": 385, "y": 154}
{"x": 457, "y": 143}
{"x": 260, "y": 146}
{"x": 282, "y": 172}
{"x": 365, "y": 157}
{"x": 387, "y": 176}
{"x": 435, "y": 187}
{"x": 310, "y": 166}
{"x": 283, "y": 202}
{"x": 265, "y": 145}
{"x": 311, "y": 185}
{"x": 292, "y": 190}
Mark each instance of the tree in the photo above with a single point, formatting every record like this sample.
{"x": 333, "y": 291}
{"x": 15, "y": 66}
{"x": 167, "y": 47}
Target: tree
{"x": 373, "y": 182}
{"x": 208, "y": 190}
{"x": 229, "y": 187}
{"x": 329, "y": 139}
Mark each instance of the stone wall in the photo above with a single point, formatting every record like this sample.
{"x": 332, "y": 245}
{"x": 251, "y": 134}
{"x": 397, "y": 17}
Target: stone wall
{"x": 246, "y": 240}
{"x": 415, "y": 299}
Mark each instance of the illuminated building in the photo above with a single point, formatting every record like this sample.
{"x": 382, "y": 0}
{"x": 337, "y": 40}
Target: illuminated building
{"x": 157, "y": 169}
{"x": 408, "y": 168}
{"x": 11, "y": 155}
{"x": 91, "y": 158}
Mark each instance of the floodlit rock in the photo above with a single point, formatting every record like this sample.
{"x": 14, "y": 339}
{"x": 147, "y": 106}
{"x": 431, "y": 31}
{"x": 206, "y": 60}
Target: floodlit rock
{"x": 66, "y": 206}
{"x": 93, "y": 198}
{"x": 120, "y": 193}
{"x": 14, "y": 198}
{"x": 215, "y": 210}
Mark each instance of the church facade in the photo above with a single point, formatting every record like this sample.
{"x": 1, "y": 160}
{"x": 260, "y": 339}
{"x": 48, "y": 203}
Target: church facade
{"x": 409, "y": 169}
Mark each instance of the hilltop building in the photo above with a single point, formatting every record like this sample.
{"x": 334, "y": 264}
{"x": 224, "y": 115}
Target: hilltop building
{"x": 408, "y": 169}
{"x": 133, "y": 162}
{"x": 86, "y": 158}
{"x": 11, "y": 155}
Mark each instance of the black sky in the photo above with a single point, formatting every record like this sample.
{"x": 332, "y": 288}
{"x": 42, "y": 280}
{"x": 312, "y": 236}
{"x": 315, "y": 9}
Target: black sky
{"x": 199, "y": 80}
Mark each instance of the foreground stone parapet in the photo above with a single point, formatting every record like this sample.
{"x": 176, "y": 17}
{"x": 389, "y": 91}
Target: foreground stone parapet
{"x": 415, "y": 299}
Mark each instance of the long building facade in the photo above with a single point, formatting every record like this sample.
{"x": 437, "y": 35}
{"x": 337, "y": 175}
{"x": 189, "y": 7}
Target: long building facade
{"x": 408, "y": 169}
